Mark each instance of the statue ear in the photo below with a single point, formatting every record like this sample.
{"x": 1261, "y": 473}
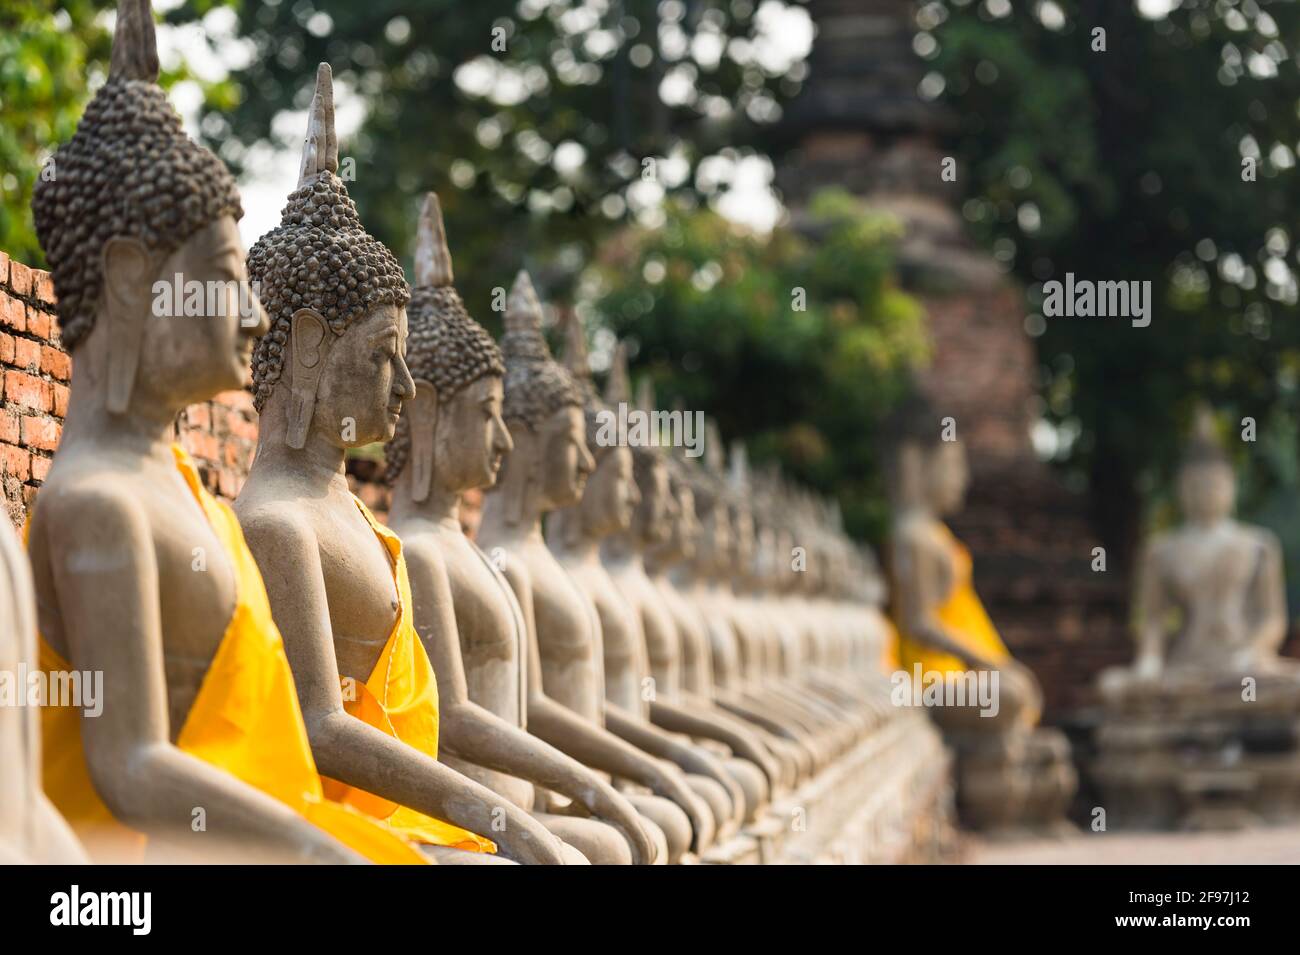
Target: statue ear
{"x": 307, "y": 334}
{"x": 125, "y": 264}
{"x": 423, "y": 411}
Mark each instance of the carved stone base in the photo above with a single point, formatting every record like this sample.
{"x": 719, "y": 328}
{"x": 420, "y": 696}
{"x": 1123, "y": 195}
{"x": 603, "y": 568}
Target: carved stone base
{"x": 1197, "y": 761}
{"x": 1016, "y": 783}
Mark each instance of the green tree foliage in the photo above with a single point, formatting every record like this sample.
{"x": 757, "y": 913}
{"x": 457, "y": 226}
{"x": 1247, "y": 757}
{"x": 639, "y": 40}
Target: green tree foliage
{"x": 1127, "y": 164}
{"x": 798, "y": 341}
{"x": 50, "y": 53}
{"x": 532, "y": 118}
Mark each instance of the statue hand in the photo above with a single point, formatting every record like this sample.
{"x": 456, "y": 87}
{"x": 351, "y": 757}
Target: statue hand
{"x": 672, "y": 785}
{"x": 1147, "y": 667}
{"x": 613, "y": 808}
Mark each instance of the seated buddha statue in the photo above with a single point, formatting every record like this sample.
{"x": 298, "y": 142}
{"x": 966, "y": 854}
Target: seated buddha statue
{"x": 1010, "y": 773}
{"x": 197, "y": 750}
{"x": 1210, "y": 597}
{"x": 451, "y": 439}
{"x": 330, "y": 375}
{"x": 549, "y": 469}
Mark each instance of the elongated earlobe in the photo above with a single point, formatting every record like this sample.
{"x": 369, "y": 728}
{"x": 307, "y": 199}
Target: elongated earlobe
{"x": 307, "y": 356}
{"x": 423, "y": 411}
{"x": 125, "y": 266}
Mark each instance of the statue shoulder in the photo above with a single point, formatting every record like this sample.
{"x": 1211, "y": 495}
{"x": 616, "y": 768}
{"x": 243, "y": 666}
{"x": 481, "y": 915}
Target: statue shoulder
{"x": 275, "y": 528}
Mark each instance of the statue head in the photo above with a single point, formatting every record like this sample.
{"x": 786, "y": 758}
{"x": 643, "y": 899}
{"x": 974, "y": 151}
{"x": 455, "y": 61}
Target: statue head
{"x": 333, "y": 360}
{"x": 137, "y": 220}
{"x": 1207, "y": 483}
{"x": 926, "y": 470}
{"x": 550, "y": 464}
{"x": 652, "y": 521}
{"x": 683, "y": 539}
{"x": 453, "y": 426}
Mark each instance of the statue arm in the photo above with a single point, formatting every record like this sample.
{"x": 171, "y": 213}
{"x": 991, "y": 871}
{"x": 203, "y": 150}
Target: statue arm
{"x": 479, "y": 736}
{"x": 106, "y": 581}
{"x": 593, "y": 745}
{"x": 346, "y": 748}
{"x": 1269, "y": 588}
{"x": 918, "y": 594}
{"x": 742, "y": 742}
{"x": 651, "y": 739}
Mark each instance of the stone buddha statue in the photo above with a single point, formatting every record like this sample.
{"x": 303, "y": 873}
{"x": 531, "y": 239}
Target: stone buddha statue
{"x": 451, "y": 439}
{"x": 330, "y": 375}
{"x": 31, "y": 829}
{"x": 623, "y": 557}
{"x": 1011, "y": 774}
{"x": 665, "y": 561}
{"x": 141, "y": 577}
{"x": 704, "y": 579}
{"x": 575, "y": 537}
{"x": 547, "y": 471}
{"x": 1223, "y": 578}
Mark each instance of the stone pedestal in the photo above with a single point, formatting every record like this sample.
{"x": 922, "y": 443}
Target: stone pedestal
{"x": 1014, "y": 784}
{"x": 1198, "y": 756}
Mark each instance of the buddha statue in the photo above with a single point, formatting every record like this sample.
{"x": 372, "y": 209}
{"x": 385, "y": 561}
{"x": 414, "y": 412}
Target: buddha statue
{"x": 140, "y": 575}
{"x": 330, "y": 375}
{"x": 1012, "y": 775}
{"x": 548, "y": 470}
{"x": 1225, "y": 580}
{"x": 451, "y": 439}
{"x": 657, "y": 662}
{"x": 1198, "y": 733}
{"x": 575, "y": 535}
{"x": 31, "y": 828}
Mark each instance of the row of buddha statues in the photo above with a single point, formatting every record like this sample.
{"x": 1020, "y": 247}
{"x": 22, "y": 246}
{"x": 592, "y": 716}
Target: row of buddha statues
{"x": 649, "y": 678}
{"x": 640, "y": 657}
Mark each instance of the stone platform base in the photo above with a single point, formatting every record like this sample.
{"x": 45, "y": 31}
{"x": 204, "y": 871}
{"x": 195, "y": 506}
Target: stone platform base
{"x": 1217, "y": 763}
{"x": 1015, "y": 784}
{"x": 889, "y": 800}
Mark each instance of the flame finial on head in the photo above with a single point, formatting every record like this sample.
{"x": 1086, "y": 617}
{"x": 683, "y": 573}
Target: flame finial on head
{"x": 320, "y": 150}
{"x": 536, "y": 384}
{"x": 618, "y": 386}
{"x": 576, "y": 358}
{"x": 432, "y": 257}
{"x": 135, "y": 45}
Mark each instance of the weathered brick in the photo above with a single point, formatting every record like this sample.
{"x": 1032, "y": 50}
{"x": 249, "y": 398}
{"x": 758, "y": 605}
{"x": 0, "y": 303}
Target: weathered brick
{"x": 238, "y": 399}
{"x": 43, "y": 286}
{"x": 15, "y": 461}
{"x": 13, "y": 313}
{"x": 8, "y": 426}
{"x": 229, "y": 484}
{"x": 27, "y": 354}
{"x": 40, "y": 432}
{"x": 20, "y": 278}
{"x": 56, "y": 362}
{"x": 240, "y": 427}
{"x": 198, "y": 416}
{"x": 39, "y": 323}
{"x": 6, "y": 348}
{"x": 40, "y": 467}
{"x": 60, "y": 393}
{"x": 202, "y": 445}
{"x": 22, "y": 389}
{"x": 4, "y": 268}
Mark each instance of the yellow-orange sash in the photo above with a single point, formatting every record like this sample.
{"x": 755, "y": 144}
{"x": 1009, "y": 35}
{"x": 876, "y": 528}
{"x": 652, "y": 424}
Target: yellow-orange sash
{"x": 246, "y": 720}
{"x": 962, "y": 615}
{"x": 401, "y": 699}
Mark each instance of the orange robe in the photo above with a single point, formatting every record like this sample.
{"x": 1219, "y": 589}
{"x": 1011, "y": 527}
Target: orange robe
{"x": 245, "y": 720}
{"x": 400, "y": 698}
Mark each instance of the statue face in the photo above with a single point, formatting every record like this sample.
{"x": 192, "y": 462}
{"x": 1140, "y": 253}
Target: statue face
{"x": 946, "y": 477}
{"x": 1207, "y": 491}
{"x": 472, "y": 437}
{"x": 364, "y": 381}
{"x": 713, "y": 550}
{"x": 742, "y": 539}
{"x": 192, "y": 356}
{"x": 658, "y": 506}
{"x": 611, "y": 495}
{"x": 566, "y": 463}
